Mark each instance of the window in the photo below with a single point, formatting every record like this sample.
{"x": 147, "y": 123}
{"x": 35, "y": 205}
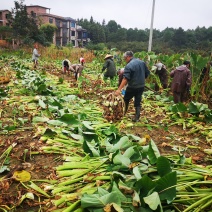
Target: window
{"x": 51, "y": 20}
{"x": 7, "y": 16}
{"x": 72, "y": 33}
{"x": 33, "y": 14}
{"x": 73, "y": 24}
{"x": 84, "y": 34}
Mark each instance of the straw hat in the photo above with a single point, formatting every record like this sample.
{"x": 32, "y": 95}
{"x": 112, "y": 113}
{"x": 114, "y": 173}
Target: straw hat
{"x": 108, "y": 56}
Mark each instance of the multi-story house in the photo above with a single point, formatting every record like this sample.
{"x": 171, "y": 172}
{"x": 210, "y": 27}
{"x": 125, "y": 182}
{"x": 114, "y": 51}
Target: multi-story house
{"x": 3, "y": 17}
{"x": 68, "y": 31}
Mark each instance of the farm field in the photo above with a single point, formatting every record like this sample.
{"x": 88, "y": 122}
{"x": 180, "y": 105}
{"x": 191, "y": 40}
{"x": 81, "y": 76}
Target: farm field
{"x": 60, "y": 151}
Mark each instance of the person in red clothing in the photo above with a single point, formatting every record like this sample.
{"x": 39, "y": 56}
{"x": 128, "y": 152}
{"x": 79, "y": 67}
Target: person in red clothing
{"x": 181, "y": 82}
{"x": 82, "y": 60}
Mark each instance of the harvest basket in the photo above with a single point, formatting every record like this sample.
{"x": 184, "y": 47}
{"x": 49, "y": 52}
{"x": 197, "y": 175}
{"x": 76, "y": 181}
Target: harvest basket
{"x": 113, "y": 107}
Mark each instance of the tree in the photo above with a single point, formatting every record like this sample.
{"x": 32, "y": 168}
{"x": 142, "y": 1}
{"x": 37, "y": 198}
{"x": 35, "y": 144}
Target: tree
{"x": 48, "y": 31}
{"x": 5, "y": 32}
{"x": 112, "y": 26}
{"x": 23, "y": 25}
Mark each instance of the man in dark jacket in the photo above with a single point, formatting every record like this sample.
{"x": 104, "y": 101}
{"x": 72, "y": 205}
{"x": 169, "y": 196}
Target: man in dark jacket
{"x": 135, "y": 73}
{"x": 110, "y": 66}
{"x": 181, "y": 82}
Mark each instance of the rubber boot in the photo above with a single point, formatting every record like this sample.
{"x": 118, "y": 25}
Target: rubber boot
{"x": 137, "y": 114}
{"x": 126, "y": 107}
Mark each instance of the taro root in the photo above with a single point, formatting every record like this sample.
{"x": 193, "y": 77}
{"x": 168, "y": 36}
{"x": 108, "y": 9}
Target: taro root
{"x": 113, "y": 107}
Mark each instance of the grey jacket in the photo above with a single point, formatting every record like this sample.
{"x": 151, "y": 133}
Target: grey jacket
{"x": 35, "y": 54}
{"x": 136, "y": 72}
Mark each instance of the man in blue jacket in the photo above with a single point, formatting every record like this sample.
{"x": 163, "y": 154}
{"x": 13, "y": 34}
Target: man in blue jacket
{"x": 135, "y": 73}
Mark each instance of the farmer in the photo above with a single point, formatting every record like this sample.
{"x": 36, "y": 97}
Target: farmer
{"x": 82, "y": 60}
{"x": 181, "y": 82}
{"x": 35, "y": 56}
{"x": 66, "y": 65}
{"x": 77, "y": 69}
{"x": 161, "y": 72}
{"x": 110, "y": 66}
{"x": 135, "y": 73}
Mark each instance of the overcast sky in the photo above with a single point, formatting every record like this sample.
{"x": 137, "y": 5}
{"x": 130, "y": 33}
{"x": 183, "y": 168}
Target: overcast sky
{"x": 187, "y": 14}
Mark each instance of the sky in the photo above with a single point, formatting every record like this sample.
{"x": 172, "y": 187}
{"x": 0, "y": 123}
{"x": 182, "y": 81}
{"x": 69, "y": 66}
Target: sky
{"x": 188, "y": 14}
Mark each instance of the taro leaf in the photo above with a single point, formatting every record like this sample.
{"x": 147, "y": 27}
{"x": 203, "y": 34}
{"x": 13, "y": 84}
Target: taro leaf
{"x": 87, "y": 124}
{"x": 120, "y": 194}
{"x": 163, "y": 166}
{"x": 145, "y": 184}
{"x": 21, "y": 120}
{"x": 137, "y": 173}
{"x": 91, "y": 148}
{"x": 120, "y": 159}
{"x": 142, "y": 167}
{"x": 3, "y": 169}
{"x": 76, "y": 136}
{"x": 89, "y": 136}
{"x": 208, "y": 151}
{"x": 123, "y": 143}
{"x": 3, "y": 93}
{"x": 153, "y": 152}
{"x": 69, "y": 98}
{"x": 52, "y": 108}
{"x": 98, "y": 201}
{"x": 133, "y": 137}
{"x": 166, "y": 187}
{"x": 37, "y": 119}
{"x": 182, "y": 159}
{"x": 129, "y": 152}
{"x": 102, "y": 191}
{"x": 56, "y": 104}
{"x": 133, "y": 153}
{"x": 196, "y": 107}
{"x": 208, "y": 116}
{"x": 136, "y": 199}
{"x": 28, "y": 195}
{"x": 10, "y": 128}
{"x": 118, "y": 175}
{"x": 49, "y": 132}
{"x": 42, "y": 104}
{"x": 56, "y": 123}
{"x": 179, "y": 107}
{"x": 153, "y": 201}
{"x": 22, "y": 176}
{"x": 127, "y": 189}
{"x": 112, "y": 130}
{"x": 112, "y": 207}
{"x": 69, "y": 119}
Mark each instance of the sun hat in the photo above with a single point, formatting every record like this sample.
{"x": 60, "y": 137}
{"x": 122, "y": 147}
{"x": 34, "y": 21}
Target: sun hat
{"x": 108, "y": 56}
{"x": 159, "y": 66}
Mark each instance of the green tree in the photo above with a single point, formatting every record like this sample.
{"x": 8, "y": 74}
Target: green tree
{"x": 5, "y": 32}
{"x": 23, "y": 25}
{"x": 112, "y": 26}
{"x": 48, "y": 31}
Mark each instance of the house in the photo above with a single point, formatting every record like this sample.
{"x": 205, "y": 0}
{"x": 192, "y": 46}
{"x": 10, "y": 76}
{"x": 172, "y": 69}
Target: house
{"x": 68, "y": 31}
{"x": 3, "y": 17}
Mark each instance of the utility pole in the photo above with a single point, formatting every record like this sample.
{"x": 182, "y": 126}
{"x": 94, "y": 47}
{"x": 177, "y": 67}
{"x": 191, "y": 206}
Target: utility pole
{"x": 151, "y": 27}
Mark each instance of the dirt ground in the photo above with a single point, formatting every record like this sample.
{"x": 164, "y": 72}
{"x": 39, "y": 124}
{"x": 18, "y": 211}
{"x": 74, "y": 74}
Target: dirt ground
{"x": 41, "y": 166}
